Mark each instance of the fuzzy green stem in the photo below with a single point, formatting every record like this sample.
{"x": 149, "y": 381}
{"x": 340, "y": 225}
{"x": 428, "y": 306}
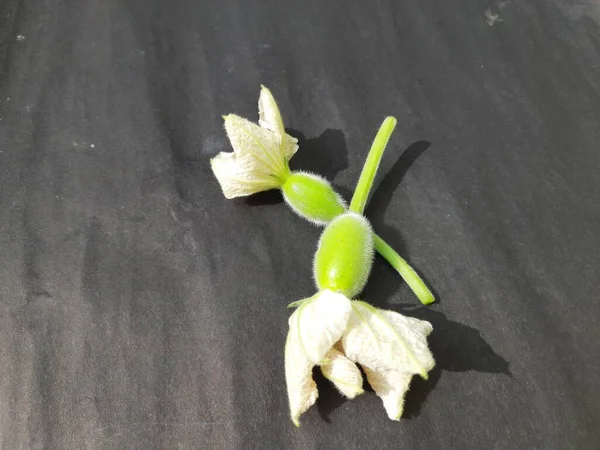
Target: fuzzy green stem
{"x": 365, "y": 182}
{"x": 411, "y": 277}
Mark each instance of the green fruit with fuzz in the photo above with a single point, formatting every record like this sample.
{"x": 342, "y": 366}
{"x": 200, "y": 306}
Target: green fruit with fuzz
{"x": 312, "y": 197}
{"x": 344, "y": 257}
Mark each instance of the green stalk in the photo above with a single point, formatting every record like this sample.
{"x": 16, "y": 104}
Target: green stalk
{"x": 411, "y": 277}
{"x": 365, "y": 182}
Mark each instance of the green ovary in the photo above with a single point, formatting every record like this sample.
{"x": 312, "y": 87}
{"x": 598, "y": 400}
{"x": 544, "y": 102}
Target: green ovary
{"x": 345, "y": 255}
{"x": 312, "y": 197}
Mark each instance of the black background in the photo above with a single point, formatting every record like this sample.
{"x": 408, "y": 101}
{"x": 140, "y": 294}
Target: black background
{"x": 139, "y": 309}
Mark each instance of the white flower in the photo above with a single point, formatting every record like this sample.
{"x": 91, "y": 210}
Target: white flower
{"x": 333, "y": 332}
{"x": 259, "y": 161}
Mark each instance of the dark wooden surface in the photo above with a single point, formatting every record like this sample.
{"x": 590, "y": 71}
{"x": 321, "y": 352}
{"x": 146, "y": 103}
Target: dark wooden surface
{"x": 141, "y": 310}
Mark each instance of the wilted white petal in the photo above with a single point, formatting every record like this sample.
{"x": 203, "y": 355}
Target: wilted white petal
{"x": 260, "y": 155}
{"x": 315, "y": 327}
{"x": 268, "y": 112}
{"x": 391, "y": 348}
{"x": 255, "y": 165}
{"x": 319, "y": 322}
{"x": 380, "y": 339}
{"x": 235, "y": 180}
{"x": 269, "y": 117}
{"x": 301, "y": 388}
{"x": 343, "y": 373}
{"x": 290, "y": 146}
{"x": 256, "y": 149}
{"x": 391, "y": 386}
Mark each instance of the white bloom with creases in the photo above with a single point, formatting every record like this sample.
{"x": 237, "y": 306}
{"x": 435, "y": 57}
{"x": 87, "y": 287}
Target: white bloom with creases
{"x": 333, "y": 332}
{"x": 259, "y": 161}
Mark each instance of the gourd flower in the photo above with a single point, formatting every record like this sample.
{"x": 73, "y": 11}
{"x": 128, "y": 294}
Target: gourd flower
{"x": 260, "y": 162}
{"x": 261, "y": 153}
{"x": 334, "y": 332}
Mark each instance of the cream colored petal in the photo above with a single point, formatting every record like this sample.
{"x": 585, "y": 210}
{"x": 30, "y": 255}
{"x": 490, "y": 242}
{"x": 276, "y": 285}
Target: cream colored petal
{"x": 301, "y": 388}
{"x": 236, "y": 180}
{"x": 269, "y": 116}
{"x": 290, "y": 146}
{"x": 315, "y": 327}
{"x": 385, "y": 340}
{"x": 391, "y": 386}
{"x": 343, "y": 373}
{"x": 319, "y": 322}
{"x": 391, "y": 348}
{"x": 257, "y": 149}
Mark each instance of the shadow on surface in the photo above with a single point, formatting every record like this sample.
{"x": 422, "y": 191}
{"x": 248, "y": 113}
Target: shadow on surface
{"x": 456, "y": 348}
{"x": 382, "y": 194}
{"x": 325, "y": 155}
{"x": 272, "y": 197}
{"x": 386, "y": 280}
{"x": 329, "y": 397}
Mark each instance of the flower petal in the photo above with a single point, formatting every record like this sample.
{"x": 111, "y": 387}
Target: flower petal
{"x": 343, "y": 373}
{"x": 391, "y": 348}
{"x": 391, "y": 386}
{"x": 385, "y": 340}
{"x": 235, "y": 180}
{"x": 258, "y": 149}
{"x": 301, "y": 388}
{"x": 315, "y": 327}
{"x": 269, "y": 116}
{"x": 290, "y": 146}
{"x": 319, "y": 322}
